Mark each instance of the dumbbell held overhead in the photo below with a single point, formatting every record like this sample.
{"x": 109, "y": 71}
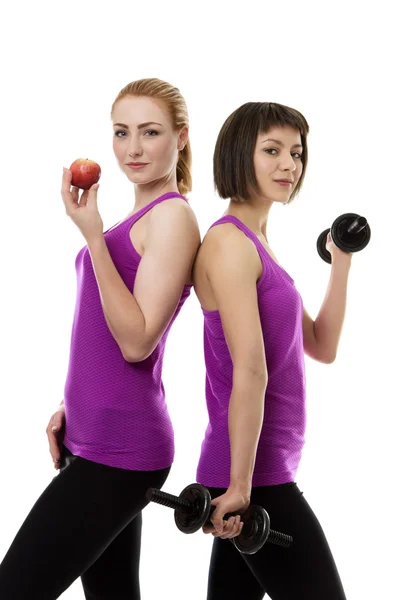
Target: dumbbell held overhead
{"x": 193, "y": 510}
{"x": 350, "y": 232}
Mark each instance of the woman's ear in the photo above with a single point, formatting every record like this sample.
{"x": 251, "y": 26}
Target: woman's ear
{"x": 183, "y": 137}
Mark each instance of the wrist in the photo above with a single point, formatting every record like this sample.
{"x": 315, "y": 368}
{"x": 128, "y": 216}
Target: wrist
{"x": 240, "y": 486}
{"x": 342, "y": 259}
{"x": 94, "y": 242}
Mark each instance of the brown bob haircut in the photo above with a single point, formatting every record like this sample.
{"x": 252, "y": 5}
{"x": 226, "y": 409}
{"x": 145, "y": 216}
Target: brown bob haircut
{"x": 234, "y": 172}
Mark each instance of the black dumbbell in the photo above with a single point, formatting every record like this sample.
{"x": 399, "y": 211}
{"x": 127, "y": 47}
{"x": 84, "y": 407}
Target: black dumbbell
{"x": 350, "y": 232}
{"x": 193, "y": 510}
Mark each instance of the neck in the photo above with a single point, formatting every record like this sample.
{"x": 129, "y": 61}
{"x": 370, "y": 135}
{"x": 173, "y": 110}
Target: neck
{"x": 253, "y": 213}
{"x": 146, "y": 193}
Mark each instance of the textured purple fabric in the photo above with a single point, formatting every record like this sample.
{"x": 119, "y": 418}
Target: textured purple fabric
{"x": 116, "y": 413}
{"x": 282, "y": 436}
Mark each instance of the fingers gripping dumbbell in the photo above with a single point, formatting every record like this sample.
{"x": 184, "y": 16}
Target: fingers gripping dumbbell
{"x": 350, "y": 232}
{"x": 193, "y": 510}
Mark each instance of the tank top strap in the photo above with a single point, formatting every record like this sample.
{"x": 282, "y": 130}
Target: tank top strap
{"x": 127, "y": 223}
{"x": 267, "y": 260}
{"x": 137, "y": 215}
{"x": 250, "y": 234}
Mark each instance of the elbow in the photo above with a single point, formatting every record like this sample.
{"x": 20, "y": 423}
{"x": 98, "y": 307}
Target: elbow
{"x": 139, "y": 352}
{"x": 134, "y": 355}
{"x": 258, "y": 374}
{"x": 322, "y": 353}
{"x": 251, "y": 375}
{"x": 328, "y": 359}
{"x": 262, "y": 378}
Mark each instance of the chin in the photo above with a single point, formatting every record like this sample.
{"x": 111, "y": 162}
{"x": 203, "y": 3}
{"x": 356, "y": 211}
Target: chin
{"x": 137, "y": 177}
{"x": 282, "y": 197}
{"x": 276, "y": 198}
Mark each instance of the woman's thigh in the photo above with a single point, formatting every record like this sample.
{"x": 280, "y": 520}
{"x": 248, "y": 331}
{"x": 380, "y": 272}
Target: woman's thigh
{"x": 84, "y": 508}
{"x": 306, "y": 569}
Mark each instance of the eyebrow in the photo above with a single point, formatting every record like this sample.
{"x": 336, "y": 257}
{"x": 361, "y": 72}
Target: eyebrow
{"x": 280, "y": 143}
{"x": 141, "y": 126}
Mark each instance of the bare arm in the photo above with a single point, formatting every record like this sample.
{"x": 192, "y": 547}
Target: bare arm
{"x": 233, "y": 275}
{"x": 321, "y": 337}
{"x": 138, "y": 319}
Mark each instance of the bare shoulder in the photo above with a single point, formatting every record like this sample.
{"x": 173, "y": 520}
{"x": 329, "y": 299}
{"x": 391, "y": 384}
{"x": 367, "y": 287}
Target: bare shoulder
{"x": 226, "y": 281}
{"x": 174, "y": 224}
{"x": 226, "y": 245}
{"x": 175, "y": 209}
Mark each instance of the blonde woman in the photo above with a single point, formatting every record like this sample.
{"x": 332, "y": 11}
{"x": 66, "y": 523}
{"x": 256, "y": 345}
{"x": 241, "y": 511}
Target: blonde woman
{"x": 112, "y": 437}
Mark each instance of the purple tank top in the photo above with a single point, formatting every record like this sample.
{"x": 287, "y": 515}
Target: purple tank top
{"x": 282, "y": 435}
{"x": 115, "y": 410}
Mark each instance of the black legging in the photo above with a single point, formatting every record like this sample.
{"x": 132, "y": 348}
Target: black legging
{"x": 305, "y": 571}
{"x": 86, "y": 523}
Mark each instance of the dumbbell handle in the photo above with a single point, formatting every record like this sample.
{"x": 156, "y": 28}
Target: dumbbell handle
{"x": 169, "y": 500}
{"x": 357, "y": 225}
{"x": 160, "y": 497}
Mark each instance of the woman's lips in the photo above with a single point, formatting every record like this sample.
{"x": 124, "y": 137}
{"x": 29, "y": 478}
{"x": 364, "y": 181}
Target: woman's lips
{"x": 284, "y": 183}
{"x": 136, "y": 166}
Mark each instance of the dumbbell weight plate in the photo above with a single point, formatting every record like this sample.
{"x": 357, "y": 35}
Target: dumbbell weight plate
{"x": 189, "y": 522}
{"x": 349, "y": 242}
{"x": 321, "y": 243}
{"x": 255, "y": 530}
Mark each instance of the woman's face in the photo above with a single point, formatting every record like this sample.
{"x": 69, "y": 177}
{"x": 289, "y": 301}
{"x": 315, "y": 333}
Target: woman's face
{"x": 145, "y": 143}
{"x": 277, "y": 157}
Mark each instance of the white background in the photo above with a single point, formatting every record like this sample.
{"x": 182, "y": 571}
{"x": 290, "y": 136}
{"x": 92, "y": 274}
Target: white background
{"x": 63, "y": 63}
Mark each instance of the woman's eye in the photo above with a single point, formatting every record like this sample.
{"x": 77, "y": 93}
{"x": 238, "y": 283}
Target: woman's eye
{"x": 273, "y": 152}
{"x": 119, "y": 131}
{"x": 151, "y": 132}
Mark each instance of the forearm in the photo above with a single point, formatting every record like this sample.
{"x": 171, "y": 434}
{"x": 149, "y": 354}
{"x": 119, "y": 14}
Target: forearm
{"x": 329, "y": 322}
{"x": 246, "y": 413}
{"x": 122, "y": 312}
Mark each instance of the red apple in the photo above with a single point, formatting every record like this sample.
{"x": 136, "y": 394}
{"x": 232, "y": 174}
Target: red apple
{"x": 85, "y": 173}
